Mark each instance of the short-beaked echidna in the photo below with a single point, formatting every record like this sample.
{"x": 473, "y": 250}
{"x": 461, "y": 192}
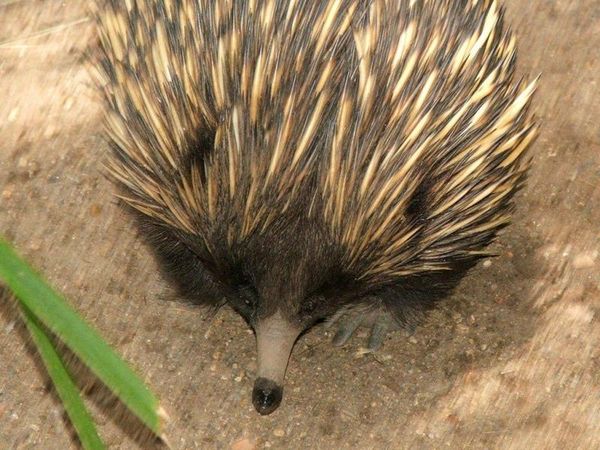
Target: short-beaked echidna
{"x": 302, "y": 160}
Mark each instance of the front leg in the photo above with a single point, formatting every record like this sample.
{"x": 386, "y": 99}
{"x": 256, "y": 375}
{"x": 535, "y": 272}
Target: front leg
{"x": 371, "y": 314}
{"x": 398, "y": 306}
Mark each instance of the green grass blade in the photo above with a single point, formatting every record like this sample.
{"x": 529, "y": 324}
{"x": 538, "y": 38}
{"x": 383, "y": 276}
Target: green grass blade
{"x": 54, "y": 312}
{"x": 64, "y": 385}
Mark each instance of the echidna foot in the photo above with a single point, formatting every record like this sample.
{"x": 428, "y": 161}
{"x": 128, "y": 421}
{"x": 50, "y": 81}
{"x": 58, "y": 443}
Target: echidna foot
{"x": 378, "y": 319}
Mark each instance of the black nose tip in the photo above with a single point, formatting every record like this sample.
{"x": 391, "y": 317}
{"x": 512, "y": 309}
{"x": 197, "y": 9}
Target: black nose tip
{"x": 266, "y": 395}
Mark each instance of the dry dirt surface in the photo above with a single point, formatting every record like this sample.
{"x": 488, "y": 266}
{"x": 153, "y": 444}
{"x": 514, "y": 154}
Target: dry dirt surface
{"x": 511, "y": 361}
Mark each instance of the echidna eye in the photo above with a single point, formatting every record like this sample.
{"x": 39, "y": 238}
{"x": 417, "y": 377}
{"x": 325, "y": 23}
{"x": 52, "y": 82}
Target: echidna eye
{"x": 308, "y": 307}
{"x": 248, "y": 296}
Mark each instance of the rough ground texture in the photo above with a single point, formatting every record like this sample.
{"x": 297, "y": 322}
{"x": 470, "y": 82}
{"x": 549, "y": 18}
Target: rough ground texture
{"x": 512, "y": 360}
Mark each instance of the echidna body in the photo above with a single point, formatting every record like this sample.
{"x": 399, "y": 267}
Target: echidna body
{"x": 303, "y": 159}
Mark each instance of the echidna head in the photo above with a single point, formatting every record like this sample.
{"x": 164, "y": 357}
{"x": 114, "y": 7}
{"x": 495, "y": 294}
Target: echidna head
{"x": 284, "y": 281}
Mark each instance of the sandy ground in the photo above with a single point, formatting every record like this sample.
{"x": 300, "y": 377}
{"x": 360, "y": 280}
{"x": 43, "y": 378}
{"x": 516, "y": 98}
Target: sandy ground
{"x": 512, "y": 360}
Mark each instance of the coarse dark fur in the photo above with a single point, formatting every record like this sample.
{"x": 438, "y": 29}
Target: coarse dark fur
{"x": 198, "y": 282}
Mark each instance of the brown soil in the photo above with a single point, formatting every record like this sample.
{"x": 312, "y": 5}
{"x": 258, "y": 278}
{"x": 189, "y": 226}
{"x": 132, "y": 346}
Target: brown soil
{"x": 512, "y": 360}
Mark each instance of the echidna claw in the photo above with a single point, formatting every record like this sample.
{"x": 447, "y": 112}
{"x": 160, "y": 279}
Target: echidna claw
{"x": 346, "y": 330}
{"x": 379, "y": 320}
{"x": 378, "y": 333}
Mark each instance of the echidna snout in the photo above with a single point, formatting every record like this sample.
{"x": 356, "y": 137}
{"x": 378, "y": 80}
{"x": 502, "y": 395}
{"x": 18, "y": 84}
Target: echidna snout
{"x": 275, "y": 339}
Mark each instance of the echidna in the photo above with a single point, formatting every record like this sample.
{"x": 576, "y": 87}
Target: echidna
{"x": 302, "y": 160}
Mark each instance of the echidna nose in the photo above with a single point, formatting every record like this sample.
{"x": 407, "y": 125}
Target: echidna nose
{"x": 266, "y": 395}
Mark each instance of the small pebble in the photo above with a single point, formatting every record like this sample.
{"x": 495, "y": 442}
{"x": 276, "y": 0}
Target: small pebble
{"x": 462, "y": 329}
{"x": 7, "y": 193}
{"x": 585, "y": 260}
{"x": 279, "y": 432}
{"x": 243, "y": 444}
{"x": 487, "y": 263}
{"x": 362, "y": 351}
{"x": 69, "y": 103}
{"x": 50, "y": 131}
{"x": 95, "y": 210}
{"x": 12, "y": 116}
{"x": 8, "y": 329}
